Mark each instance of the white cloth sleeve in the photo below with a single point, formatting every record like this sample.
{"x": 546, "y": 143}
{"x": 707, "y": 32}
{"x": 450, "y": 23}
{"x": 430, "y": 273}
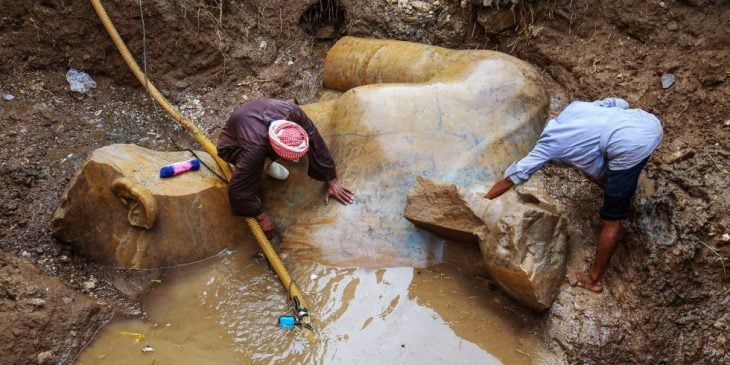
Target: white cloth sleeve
{"x": 521, "y": 170}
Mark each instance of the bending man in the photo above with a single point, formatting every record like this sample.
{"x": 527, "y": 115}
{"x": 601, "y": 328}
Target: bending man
{"x": 610, "y": 144}
{"x": 269, "y": 128}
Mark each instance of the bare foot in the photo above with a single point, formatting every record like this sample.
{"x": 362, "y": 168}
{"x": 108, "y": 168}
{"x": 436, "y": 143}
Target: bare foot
{"x": 583, "y": 281}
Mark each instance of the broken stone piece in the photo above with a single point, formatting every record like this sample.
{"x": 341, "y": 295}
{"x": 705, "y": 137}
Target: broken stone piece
{"x": 667, "y": 80}
{"x": 521, "y": 234}
{"x": 118, "y": 212}
{"x": 440, "y": 209}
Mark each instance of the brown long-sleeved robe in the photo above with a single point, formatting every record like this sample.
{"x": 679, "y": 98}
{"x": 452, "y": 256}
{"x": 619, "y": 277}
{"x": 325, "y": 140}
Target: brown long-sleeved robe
{"x": 244, "y": 142}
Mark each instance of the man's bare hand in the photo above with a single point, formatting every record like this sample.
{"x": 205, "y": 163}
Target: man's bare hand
{"x": 267, "y": 225}
{"x": 499, "y": 188}
{"x": 339, "y": 192}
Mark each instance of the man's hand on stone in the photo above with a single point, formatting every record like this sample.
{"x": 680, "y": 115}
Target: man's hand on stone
{"x": 499, "y": 188}
{"x": 339, "y": 192}
{"x": 267, "y": 225}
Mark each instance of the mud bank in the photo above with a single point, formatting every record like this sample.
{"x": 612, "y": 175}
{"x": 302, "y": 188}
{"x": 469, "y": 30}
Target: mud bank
{"x": 667, "y": 294}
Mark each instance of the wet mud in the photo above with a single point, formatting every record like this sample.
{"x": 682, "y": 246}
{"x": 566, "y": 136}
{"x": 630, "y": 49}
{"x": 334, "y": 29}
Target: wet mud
{"x": 225, "y": 310}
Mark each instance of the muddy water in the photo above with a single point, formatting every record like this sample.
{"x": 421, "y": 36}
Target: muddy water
{"x": 225, "y": 310}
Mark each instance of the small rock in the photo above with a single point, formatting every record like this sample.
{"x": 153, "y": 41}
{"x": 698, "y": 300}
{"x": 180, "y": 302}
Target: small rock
{"x": 79, "y": 82}
{"x": 148, "y": 348}
{"x": 45, "y": 357}
{"x": 680, "y": 155}
{"x": 421, "y": 6}
{"x": 410, "y": 19}
{"x": 8, "y": 97}
{"x": 725, "y": 237}
{"x": 88, "y": 285}
{"x": 672, "y": 26}
{"x": 667, "y": 80}
{"x": 36, "y": 302}
{"x": 135, "y": 313}
{"x": 67, "y": 300}
{"x": 727, "y": 123}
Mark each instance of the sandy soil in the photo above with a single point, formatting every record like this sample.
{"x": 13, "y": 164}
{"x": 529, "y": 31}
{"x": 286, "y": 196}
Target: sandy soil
{"x": 667, "y": 294}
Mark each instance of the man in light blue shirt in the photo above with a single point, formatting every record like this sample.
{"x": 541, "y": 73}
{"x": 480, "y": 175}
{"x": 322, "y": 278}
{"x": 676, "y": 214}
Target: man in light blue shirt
{"x": 610, "y": 144}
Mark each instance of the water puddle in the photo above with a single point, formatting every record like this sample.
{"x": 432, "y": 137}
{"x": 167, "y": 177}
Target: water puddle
{"x": 225, "y": 311}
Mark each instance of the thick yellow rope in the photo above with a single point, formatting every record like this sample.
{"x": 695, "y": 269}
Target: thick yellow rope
{"x": 208, "y": 146}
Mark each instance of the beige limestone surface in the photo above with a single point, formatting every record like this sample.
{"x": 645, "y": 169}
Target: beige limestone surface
{"x": 405, "y": 110}
{"x": 391, "y": 111}
{"x": 119, "y": 212}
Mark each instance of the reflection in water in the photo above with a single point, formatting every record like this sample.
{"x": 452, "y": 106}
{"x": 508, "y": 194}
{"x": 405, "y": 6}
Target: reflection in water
{"x": 225, "y": 311}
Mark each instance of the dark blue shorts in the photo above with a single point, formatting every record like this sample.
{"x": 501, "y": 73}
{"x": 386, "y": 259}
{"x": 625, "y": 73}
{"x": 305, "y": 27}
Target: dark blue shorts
{"x": 620, "y": 188}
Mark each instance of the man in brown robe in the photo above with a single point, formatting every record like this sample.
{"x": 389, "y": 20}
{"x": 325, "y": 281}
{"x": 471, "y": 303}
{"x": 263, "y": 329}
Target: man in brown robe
{"x": 245, "y": 143}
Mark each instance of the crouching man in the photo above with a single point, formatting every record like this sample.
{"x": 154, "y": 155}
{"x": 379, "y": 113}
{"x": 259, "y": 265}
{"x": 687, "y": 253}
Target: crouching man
{"x": 266, "y": 130}
{"x": 610, "y": 144}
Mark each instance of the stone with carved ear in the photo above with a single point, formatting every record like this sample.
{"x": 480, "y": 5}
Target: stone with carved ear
{"x": 117, "y": 211}
{"x": 142, "y": 205}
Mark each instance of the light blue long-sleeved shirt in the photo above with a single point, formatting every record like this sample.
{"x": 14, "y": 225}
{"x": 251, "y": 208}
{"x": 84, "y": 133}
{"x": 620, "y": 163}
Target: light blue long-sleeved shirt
{"x": 593, "y": 137}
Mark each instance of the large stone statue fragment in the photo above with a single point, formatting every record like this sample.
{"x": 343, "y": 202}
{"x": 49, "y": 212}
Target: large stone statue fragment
{"x": 391, "y": 111}
{"x": 118, "y": 211}
{"x": 395, "y": 110}
{"x": 521, "y": 234}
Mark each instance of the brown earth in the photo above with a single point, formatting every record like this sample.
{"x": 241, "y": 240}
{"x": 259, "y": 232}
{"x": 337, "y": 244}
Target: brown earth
{"x": 667, "y": 288}
{"x": 43, "y": 320}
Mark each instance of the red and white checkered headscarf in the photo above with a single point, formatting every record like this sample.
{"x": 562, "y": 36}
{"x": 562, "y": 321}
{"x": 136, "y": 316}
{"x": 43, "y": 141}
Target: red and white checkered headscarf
{"x": 289, "y": 140}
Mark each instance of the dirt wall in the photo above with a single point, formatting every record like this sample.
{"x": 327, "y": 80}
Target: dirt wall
{"x": 667, "y": 286}
{"x": 668, "y": 282}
